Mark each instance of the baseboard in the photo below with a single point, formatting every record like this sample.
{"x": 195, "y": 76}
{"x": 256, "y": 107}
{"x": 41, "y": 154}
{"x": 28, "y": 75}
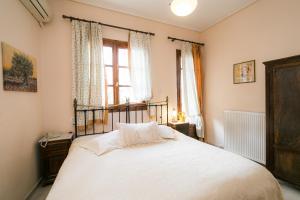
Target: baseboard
{"x": 221, "y": 147}
{"x": 35, "y": 186}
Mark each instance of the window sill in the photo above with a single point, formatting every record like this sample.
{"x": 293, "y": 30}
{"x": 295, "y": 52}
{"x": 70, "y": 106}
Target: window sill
{"x": 132, "y": 107}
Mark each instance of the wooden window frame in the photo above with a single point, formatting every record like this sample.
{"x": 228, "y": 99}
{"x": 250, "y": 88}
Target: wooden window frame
{"x": 116, "y": 45}
{"x": 178, "y": 77}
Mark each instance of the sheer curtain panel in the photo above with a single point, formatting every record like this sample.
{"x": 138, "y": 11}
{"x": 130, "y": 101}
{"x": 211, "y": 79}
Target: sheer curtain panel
{"x": 140, "y": 66}
{"x": 190, "y": 103}
{"x": 88, "y": 68}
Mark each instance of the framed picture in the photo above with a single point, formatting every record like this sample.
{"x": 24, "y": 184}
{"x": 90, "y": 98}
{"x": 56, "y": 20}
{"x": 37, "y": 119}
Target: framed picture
{"x": 244, "y": 72}
{"x": 19, "y": 70}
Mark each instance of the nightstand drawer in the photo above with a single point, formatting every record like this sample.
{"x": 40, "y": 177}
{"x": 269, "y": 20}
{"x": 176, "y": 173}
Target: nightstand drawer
{"x": 185, "y": 128}
{"x": 56, "y": 149}
{"x": 182, "y": 127}
{"x": 56, "y": 153}
{"x": 58, "y": 145}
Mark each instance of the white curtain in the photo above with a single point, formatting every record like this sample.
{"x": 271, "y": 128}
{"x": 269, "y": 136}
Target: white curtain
{"x": 190, "y": 104}
{"x": 88, "y": 67}
{"x": 140, "y": 66}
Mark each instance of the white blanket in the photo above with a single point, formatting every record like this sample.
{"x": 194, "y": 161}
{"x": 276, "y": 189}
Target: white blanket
{"x": 183, "y": 169}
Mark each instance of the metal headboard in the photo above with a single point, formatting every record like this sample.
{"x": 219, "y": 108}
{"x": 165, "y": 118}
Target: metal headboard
{"x": 88, "y": 126}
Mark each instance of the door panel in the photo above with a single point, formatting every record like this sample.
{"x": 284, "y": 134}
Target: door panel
{"x": 287, "y": 105}
{"x": 287, "y": 165}
{"x": 283, "y": 118}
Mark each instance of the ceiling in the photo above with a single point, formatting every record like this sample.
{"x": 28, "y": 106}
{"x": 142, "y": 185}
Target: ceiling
{"x": 207, "y": 13}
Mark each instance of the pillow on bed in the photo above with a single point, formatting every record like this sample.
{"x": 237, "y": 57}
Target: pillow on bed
{"x": 166, "y": 132}
{"x": 142, "y": 133}
{"x": 103, "y": 143}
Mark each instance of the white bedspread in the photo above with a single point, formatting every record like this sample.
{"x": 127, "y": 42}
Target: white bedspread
{"x": 184, "y": 169}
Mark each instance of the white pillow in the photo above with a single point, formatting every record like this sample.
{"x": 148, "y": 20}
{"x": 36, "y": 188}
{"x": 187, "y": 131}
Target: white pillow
{"x": 143, "y": 133}
{"x": 166, "y": 132}
{"x": 103, "y": 143}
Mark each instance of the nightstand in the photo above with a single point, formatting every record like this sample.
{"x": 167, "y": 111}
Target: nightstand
{"x": 185, "y": 128}
{"x": 53, "y": 155}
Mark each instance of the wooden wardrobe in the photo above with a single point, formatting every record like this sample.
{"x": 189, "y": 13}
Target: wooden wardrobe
{"x": 283, "y": 118}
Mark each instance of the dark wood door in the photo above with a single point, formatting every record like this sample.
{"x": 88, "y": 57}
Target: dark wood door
{"x": 283, "y": 118}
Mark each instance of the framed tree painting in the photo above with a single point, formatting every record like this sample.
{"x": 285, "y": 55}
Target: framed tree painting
{"x": 244, "y": 72}
{"x": 19, "y": 70}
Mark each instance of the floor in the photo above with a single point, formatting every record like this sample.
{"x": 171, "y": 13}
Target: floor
{"x": 289, "y": 192}
{"x": 40, "y": 193}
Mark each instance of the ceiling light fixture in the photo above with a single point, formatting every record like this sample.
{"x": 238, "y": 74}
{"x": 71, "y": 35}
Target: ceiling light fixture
{"x": 183, "y": 7}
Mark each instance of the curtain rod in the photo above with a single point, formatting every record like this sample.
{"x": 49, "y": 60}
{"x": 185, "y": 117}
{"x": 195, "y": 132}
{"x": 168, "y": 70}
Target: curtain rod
{"x": 113, "y": 26}
{"x": 173, "y": 39}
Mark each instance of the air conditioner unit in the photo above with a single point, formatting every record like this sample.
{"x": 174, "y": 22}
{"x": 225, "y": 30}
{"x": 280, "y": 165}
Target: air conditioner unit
{"x": 39, "y": 10}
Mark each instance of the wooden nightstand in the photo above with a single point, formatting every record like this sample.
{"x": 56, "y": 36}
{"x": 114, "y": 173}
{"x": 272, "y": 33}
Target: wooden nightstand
{"x": 53, "y": 155}
{"x": 185, "y": 128}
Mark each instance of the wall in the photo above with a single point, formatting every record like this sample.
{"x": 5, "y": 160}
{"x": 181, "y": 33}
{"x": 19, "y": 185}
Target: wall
{"x": 56, "y": 53}
{"x": 266, "y": 30}
{"x": 20, "y": 112}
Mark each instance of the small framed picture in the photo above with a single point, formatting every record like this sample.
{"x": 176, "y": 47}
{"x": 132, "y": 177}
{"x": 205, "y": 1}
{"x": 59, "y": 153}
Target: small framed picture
{"x": 244, "y": 72}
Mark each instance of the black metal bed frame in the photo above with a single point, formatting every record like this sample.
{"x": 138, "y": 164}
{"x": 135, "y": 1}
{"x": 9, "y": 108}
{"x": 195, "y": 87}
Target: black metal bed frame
{"x": 127, "y": 108}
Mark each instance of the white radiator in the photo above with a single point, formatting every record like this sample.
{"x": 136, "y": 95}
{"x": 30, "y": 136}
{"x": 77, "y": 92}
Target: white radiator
{"x": 245, "y": 134}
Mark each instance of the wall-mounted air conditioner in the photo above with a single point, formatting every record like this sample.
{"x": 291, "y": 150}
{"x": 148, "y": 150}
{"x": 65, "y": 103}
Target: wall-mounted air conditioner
{"x": 39, "y": 9}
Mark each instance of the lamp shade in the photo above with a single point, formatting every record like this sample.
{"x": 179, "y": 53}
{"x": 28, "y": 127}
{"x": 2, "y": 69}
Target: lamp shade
{"x": 183, "y": 7}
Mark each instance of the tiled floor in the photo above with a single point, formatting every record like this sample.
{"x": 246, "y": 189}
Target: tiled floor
{"x": 289, "y": 192}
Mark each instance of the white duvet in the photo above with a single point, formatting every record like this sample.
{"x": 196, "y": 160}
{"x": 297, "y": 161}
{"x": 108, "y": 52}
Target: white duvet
{"x": 183, "y": 169}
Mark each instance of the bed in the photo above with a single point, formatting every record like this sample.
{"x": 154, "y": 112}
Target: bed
{"x": 184, "y": 169}
{"x": 181, "y": 168}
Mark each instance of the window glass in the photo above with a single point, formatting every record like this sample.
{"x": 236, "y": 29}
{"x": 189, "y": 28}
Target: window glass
{"x": 123, "y": 57}
{"x": 108, "y": 55}
{"x": 124, "y": 76}
{"x": 109, "y": 75}
{"x": 124, "y": 92}
{"x": 110, "y": 95}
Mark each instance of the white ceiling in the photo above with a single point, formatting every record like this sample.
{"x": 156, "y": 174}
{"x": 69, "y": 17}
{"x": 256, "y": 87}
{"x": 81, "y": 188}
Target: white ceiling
{"x": 207, "y": 13}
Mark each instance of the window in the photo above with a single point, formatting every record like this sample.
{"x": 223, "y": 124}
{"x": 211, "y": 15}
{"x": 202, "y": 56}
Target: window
{"x": 178, "y": 74}
{"x": 117, "y": 71}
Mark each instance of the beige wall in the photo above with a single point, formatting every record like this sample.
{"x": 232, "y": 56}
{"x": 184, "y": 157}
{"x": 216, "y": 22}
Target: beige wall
{"x": 20, "y": 112}
{"x": 266, "y": 30}
{"x": 56, "y": 52}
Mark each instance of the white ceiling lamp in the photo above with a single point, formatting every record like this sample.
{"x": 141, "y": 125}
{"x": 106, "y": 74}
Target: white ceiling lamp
{"x": 183, "y": 7}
